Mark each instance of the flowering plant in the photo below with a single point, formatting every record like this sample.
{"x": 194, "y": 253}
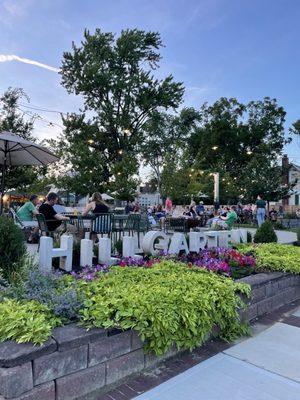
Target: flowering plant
{"x": 227, "y": 262}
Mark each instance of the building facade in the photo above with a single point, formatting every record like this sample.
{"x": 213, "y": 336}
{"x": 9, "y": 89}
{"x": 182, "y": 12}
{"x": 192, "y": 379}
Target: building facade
{"x": 291, "y": 175}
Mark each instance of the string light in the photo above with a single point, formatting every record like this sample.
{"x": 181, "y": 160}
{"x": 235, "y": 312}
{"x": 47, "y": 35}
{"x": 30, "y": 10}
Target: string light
{"x": 90, "y": 141}
{"x": 120, "y": 151}
{"x": 214, "y": 148}
{"x": 126, "y": 131}
{"x": 119, "y": 173}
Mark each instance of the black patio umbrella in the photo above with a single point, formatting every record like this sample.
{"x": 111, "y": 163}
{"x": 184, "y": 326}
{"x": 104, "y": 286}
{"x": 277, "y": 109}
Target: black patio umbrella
{"x": 15, "y": 151}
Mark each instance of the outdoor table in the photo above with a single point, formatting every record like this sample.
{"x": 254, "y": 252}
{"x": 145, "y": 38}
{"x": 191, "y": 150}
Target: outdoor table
{"x": 86, "y": 220}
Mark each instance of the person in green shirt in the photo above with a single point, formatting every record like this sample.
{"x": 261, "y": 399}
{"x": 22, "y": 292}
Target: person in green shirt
{"x": 28, "y": 210}
{"x": 230, "y": 218}
{"x": 26, "y": 214}
{"x": 260, "y": 210}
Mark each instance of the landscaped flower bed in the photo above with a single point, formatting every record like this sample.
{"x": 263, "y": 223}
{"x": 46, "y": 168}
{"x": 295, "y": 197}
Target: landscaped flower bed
{"x": 169, "y": 303}
{"x": 168, "y": 300}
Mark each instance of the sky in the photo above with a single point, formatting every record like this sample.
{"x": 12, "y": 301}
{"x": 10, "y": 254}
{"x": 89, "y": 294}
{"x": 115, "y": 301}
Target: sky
{"x": 232, "y": 48}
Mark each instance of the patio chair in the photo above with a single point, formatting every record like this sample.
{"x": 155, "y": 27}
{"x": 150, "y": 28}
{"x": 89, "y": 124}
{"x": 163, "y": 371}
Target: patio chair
{"x": 176, "y": 225}
{"x": 15, "y": 218}
{"x": 102, "y": 224}
{"x": 133, "y": 225}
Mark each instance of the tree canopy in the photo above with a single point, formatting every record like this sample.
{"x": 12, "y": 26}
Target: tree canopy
{"x": 116, "y": 78}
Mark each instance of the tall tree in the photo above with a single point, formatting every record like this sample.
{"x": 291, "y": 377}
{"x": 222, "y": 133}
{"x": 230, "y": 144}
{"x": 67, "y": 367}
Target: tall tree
{"x": 242, "y": 142}
{"x": 165, "y": 141}
{"x": 12, "y": 119}
{"x": 116, "y": 78}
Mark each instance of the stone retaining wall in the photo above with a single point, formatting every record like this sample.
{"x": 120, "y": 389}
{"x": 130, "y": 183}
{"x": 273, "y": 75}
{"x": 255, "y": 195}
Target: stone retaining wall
{"x": 79, "y": 364}
{"x": 269, "y": 292}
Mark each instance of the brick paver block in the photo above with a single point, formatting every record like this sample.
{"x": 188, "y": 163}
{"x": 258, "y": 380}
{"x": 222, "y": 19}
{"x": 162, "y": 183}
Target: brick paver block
{"x": 127, "y": 364}
{"x": 16, "y": 380}
{"x": 59, "y": 364}
{"x": 136, "y": 342}
{"x": 110, "y": 347}
{"x": 46, "y": 391}
{"x": 71, "y": 336}
{"x": 12, "y": 353}
{"x": 80, "y": 383}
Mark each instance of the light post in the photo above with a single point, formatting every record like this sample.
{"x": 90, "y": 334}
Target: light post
{"x": 216, "y": 176}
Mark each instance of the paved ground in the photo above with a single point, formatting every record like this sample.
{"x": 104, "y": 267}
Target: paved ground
{"x": 284, "y": 237}
{"x": 263, "y": 367}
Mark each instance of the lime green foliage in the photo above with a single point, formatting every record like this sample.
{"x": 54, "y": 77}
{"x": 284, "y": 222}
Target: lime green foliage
{"x": 265, "y": 233}
{"x": 12, "y": 247}
{"x": 167, "y": 304}
{"x": 26, "y": 321}
{"x": 275, "y": 257}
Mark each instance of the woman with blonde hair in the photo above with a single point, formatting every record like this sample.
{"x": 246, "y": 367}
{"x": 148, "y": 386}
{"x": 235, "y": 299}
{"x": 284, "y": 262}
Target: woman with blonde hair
{"x": 96, "y": 205}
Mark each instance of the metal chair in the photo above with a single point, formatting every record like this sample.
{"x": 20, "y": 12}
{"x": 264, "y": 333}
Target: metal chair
{"x": 102, "y": 224}
{"x": 176, "y": 225}
{"x": 15, "y": 218}
{"x": 132, "y": 225}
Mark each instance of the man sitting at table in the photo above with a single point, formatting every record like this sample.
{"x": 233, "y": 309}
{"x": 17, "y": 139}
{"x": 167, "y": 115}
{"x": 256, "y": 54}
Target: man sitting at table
{"x": 53, "y": 219}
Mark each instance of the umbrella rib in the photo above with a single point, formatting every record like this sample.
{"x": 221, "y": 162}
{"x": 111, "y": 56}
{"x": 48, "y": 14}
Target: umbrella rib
{"x": 26, "y": 148}
{"x": 37, "y": 147}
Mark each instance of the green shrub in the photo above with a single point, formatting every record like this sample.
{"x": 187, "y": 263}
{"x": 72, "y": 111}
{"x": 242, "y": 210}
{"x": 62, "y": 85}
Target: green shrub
{"x": 249, "y": 237}
{"x": 275, "y": 257}
{"x": 12, "y": 247}
{"x": 167, "y": 304}
{"x": 298, "y": 235}
{"x": 265, "y": 233}
{"x": 26, "y": 321}
{"x": 118, "y": 247}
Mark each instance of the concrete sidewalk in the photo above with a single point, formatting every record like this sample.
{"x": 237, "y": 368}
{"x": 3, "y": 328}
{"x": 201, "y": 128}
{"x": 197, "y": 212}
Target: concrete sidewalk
{"x": 263, "y": 367}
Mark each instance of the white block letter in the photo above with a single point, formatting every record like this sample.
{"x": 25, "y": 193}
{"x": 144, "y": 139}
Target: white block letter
{"x": 197, "y": 241}
{"x": 149, "y": 244}
{"x": 178, "y": 243}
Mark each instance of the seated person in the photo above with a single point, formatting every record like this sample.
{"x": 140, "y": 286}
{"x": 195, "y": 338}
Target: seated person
{"x": 26, "y": 214}
{"x": 273, "y": 215}
{"x": 53, "y": 219}
{"x": 230, "y": 218}
{"x": 96, "y": 205}
{"x": 200, "y": 208}
{"x": 161, "y": 215}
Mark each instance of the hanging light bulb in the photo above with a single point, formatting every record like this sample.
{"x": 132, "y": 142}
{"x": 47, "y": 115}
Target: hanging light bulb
{"x": 214, "y": 148}
{"x": 90, "y": 141}
{"x": 120, "y": 151}
{"x": 126, "y": 131}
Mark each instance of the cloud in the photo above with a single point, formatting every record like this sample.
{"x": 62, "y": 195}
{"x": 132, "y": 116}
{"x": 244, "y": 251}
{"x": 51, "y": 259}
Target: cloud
{"x": 6, "y": 58}
{"x": 195, "y": 95}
